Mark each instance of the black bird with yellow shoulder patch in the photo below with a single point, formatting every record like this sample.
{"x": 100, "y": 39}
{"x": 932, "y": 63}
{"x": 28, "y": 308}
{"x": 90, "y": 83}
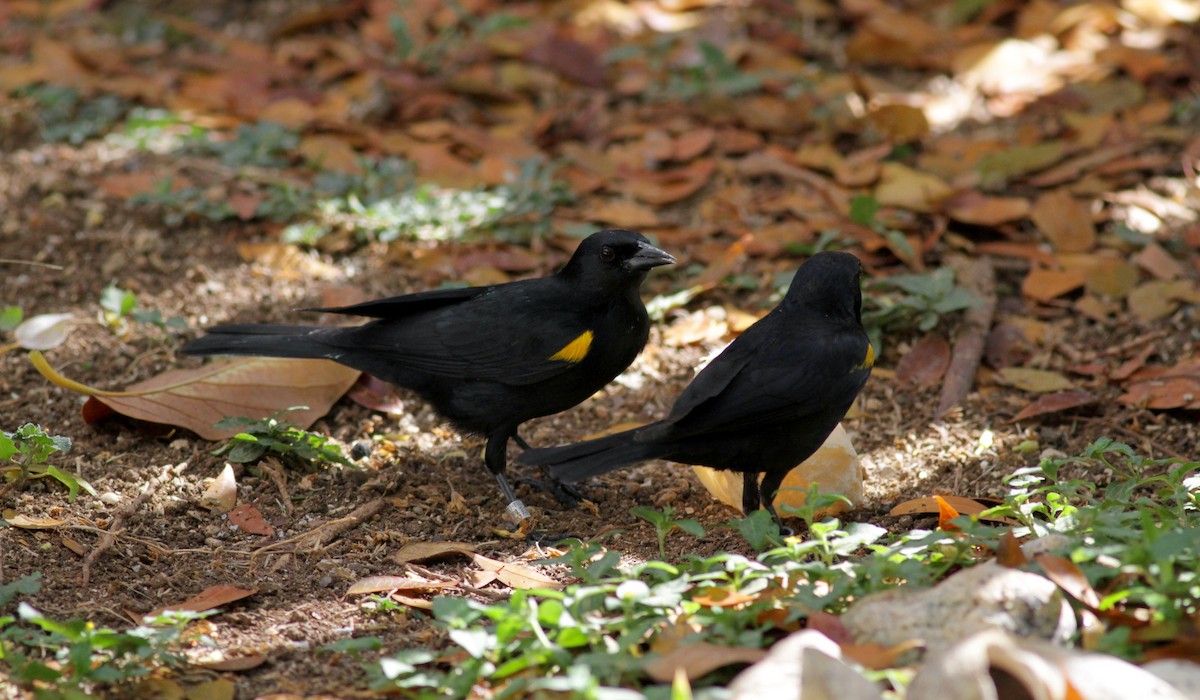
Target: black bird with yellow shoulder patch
{"x": 762, "y": 406}
{"x": 488, "y": 358}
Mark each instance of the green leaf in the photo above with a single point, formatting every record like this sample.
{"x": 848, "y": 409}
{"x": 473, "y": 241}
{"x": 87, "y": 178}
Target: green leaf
{"x": 863, "y": 209}
{"x": 11, "y": 317}
{"x": 119, "y": 301}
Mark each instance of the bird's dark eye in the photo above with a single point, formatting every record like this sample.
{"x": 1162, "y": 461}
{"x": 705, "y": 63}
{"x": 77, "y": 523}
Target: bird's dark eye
{"x": 607, "y": 254}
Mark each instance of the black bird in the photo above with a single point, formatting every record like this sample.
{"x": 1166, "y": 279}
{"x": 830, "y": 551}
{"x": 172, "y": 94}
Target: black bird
{"x": 762, "y": 406}
{"x": 487, "y": 358}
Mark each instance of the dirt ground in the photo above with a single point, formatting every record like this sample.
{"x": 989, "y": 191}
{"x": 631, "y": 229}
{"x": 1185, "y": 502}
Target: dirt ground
{"x": 70, "y": 243}
{"x": 433, "y": 484}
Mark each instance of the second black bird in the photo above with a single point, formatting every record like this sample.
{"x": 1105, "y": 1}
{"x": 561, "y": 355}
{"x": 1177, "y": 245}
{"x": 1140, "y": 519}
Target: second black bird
{"x": 487, "y": 358}
{"x": 762, "y": 406}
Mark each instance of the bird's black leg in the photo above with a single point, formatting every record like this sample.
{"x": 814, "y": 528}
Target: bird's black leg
{"x": 750, "y": 498}
{"x": 520, "y": 441}
{"x": 494, "y": 457}
{"x": 770, "y": 487}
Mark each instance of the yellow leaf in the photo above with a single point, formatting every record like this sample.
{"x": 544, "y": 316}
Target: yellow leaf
{"x": 1036, "y": 380}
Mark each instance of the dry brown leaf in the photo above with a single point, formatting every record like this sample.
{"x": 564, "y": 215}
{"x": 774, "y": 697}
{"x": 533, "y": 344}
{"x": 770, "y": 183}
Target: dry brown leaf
{"x": 376, "y": 394}
{"x": 211, "y": 597}
{"x": 1158, "y": 262}
{"x": 877, "y": 656}
{"x": 1065, "y": 221}
{"x": 1160, "y": 387}
{"x": 981, "y": 210}
{"x": 906, "y": 188}
{"x": 623, "y": 213}
{"x": 925, "y": 363}
{"x": 27, "y": 522}
{"x": 291, "y": 112}
{"x": 195, "y": 399}
{"x": 1040, "y": 381}
{"x": 1069, "y": 577}
{"x": 126, "y": 185}
{"x": 288, "y": 262}
{"x": 1111, "y": 277}
{"x": 220, "y": 496}
{"x": 929, "y": 505}
{"x": 379, "y": 584}
{"x": 236, "y": 663}
{"x": 900, "y": 123}
{"x": 426, "y": 551}
{"x": 248, "y": 518}
{"x": 672, "y": 185}
{"x": 700, "y": 326}
{"x": 1056, "y": 402}
{"x": 1045, "y": 285}
{"x": 515, "y": 574}
{"x": 699, "y": 660}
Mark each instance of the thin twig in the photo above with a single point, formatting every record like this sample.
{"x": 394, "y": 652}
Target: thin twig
{"x": 34, "y": 263}
{"x": 320, "y": 535}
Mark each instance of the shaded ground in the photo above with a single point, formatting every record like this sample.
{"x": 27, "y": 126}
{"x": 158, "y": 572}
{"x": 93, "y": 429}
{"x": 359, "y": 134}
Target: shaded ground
{"x": 431, "y": 481}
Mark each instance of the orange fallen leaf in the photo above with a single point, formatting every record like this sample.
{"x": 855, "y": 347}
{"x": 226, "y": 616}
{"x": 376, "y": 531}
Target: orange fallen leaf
{"x": 195, "y": 399}
{"x": 981, "y": 210}
{"x": 126, "y": 185}
{"x": 249, "y": 518}
{"x": 698, "y": 660}
{"x": 1160, "y": 387}
{"x": 906, "y": 188}
{"x": 1045, "y": 285}
{"x": 1065, "y": 221}
{"x": 329, "y": 152}
{"x": 946, "y": 513}
{"x": 1068, "y": 576}
{"x": 1009, "y": 553}
{"x": 1111, "y": 278}
{"x": 1158, "y": 262}
{"x": 878, "y": 656}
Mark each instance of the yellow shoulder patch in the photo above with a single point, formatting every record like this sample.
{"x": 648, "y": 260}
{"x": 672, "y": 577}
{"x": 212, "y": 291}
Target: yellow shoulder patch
{"x": 868, "y": 361}
{"x": 575, "y": 350}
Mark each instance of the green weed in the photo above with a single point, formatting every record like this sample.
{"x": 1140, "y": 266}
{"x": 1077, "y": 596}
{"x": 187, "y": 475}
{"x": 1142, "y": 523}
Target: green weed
{"x": 24, "y": 454}
{"x": 258, "y": 437}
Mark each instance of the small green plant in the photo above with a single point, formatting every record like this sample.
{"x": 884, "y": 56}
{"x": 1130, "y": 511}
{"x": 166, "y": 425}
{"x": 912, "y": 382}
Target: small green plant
{"x": 76, "y": 659}
{"x": 258, "y": 437}
{"x": 260, "y": 145}
{"x": 664, "y": 522}
{"x": 912, "y": 301}
{"x": 119, "y": 305}
{"x": 64, "y": 115}
{"x": 180, "y": 204}
{"x": 432, "y": 54}
{"x": 515, "y": 211}
{"x": 24, "y": 454}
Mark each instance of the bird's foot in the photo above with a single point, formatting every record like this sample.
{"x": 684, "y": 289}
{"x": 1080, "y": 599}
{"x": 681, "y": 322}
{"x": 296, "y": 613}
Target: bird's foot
{"x": 568, "y": 495}
{"x": 517, "y": 511}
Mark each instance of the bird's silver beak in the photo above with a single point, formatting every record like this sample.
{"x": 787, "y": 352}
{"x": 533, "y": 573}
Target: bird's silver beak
{"x": 647, "y": 257}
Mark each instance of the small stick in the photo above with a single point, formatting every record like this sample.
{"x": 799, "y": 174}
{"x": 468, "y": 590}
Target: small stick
{"x": 323, "y": 533}
{"x": 979, "y": 277}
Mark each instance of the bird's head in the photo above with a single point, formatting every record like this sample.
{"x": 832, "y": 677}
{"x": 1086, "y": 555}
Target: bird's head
{"x": 828, "y": 283}
{"x": 614, "y": 258}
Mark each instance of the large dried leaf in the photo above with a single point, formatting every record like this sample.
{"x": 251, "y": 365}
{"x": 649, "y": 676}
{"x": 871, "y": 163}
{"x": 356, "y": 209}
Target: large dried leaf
{"x": 195, "y": 399}
{"x": 906, "y": 188}
{"x": 700, "y": 659}
{"x": 1044, "y": 285}
{"x": 1160, "y": 387}
{"x": 1056, "y": 402}
{"x": 925, "y": 363}
{"x": 1065, "y": 221}
{"x": 1040, "y": 381}
{"x": 514, "y": 574}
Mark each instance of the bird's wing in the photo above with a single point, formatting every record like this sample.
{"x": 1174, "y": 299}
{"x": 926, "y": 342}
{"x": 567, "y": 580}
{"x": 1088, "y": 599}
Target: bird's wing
{"x": 776, "y": 377}
{"x": 407, "y": 304}
{"x": 515, "y": 334}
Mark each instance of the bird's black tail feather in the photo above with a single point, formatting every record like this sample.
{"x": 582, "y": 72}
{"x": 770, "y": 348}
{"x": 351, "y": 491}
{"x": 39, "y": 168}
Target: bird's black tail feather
{"x": 576, "y": 462}
{"x": 264, "y": 339}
